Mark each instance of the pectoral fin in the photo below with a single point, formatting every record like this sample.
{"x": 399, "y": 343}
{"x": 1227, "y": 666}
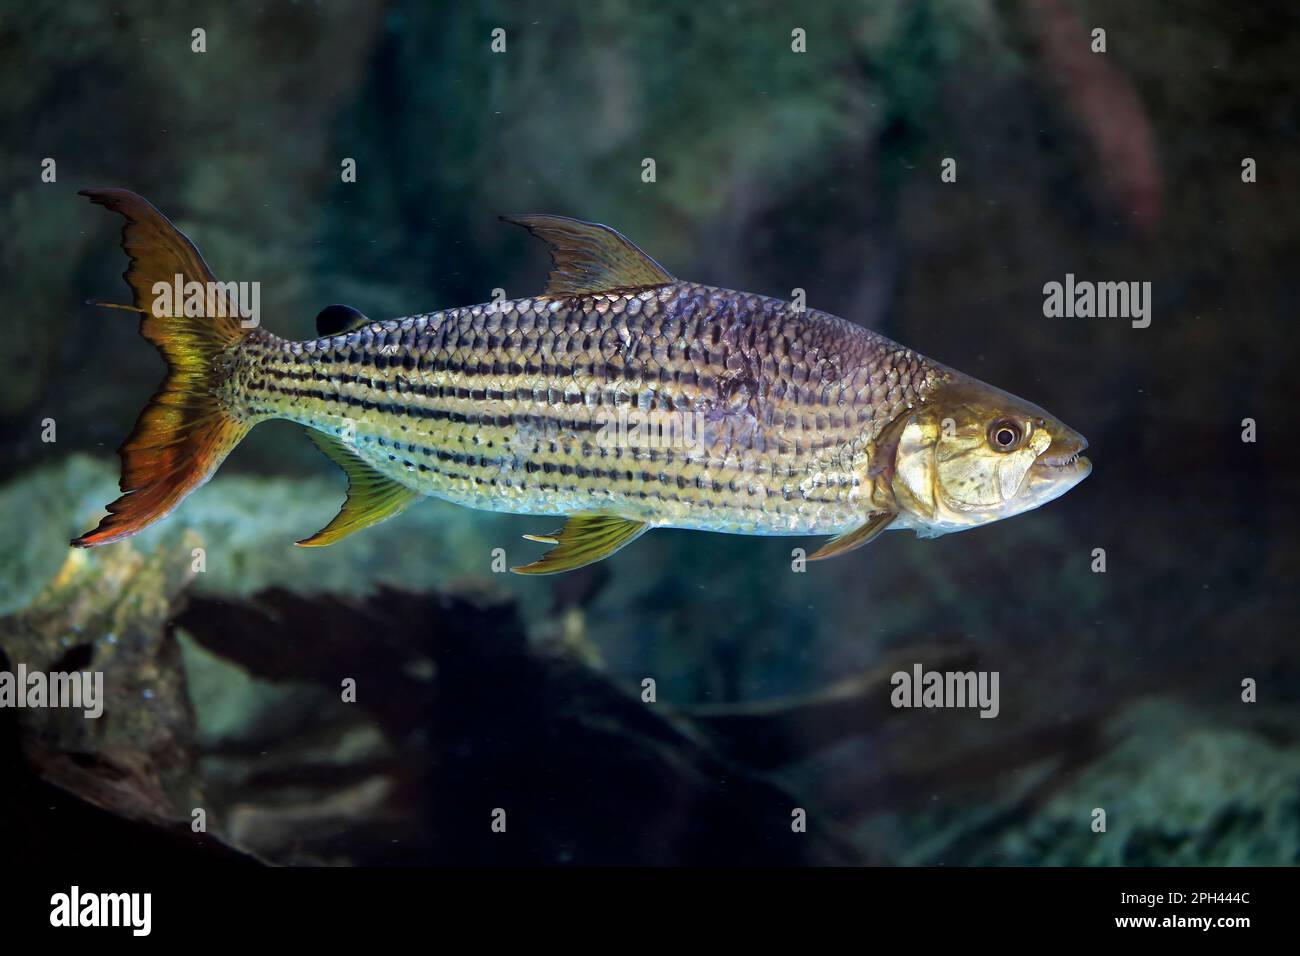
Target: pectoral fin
{"x": 852, "y": 540}
{"x": 587, "y": 257}
{"x": 372, "y": 497}
{"x": 584, "y": 539}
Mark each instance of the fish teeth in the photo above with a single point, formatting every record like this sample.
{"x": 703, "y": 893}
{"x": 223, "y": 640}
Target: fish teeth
{"x": 1065, "y": 463}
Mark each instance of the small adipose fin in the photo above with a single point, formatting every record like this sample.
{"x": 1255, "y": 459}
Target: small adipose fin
{"x": 584, "y": 539}
{"x": 337, "y": 319}
{"x": 852, "y": 540}
{"x": 372, "y": 497}
{"x": 587, "y": 258}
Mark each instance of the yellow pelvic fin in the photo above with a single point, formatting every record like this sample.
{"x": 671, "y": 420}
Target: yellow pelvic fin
{"x": 372, "y": 497}
{"x": 584, "y": 539}
{"x": 587, "y": 257}
{"x": 852, "y": 540}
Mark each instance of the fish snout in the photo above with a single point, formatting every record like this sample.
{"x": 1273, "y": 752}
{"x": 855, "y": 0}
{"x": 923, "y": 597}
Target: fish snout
{"x": 1064, "y": 456}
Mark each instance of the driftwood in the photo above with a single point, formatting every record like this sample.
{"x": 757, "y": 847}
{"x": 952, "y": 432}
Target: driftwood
{"x": 773, "y": 733}
{"x": 586, "y": 772}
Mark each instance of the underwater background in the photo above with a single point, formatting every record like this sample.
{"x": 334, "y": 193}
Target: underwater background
{"x": 1120, "y": 689}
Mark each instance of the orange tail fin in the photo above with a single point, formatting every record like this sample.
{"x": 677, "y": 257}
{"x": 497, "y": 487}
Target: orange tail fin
{"x": 184, "y": 432}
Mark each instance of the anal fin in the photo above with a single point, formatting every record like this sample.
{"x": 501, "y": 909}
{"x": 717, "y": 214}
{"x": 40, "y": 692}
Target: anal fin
{"x": 584, "y": 539}
{"x": 864, "y": 533}
{"x": 372, "y": 497}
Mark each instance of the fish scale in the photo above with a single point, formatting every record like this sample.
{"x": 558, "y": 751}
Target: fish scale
{"x": 495, "y": 406}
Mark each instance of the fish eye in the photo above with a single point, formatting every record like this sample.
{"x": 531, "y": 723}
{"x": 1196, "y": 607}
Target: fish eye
{"x": 1005, "y": 435}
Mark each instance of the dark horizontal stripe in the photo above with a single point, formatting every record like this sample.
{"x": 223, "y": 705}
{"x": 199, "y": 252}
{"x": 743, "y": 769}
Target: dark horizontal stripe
{"x": 613, "y": 477}
{"x": 543, "y": 423}
{"x": 451, "y": 390}
{"x": 599, "y": 372}
{"x": 518, "y": 463}
{"x": 521, "y": 464}
{"x": 521, "y": 395}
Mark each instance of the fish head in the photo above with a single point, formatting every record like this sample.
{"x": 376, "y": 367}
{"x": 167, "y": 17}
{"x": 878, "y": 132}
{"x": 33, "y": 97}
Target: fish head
{"x": 971, "y": 454}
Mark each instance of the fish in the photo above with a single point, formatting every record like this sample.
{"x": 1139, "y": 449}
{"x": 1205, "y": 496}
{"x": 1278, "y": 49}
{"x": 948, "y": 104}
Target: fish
{"x": 620, "y": 399}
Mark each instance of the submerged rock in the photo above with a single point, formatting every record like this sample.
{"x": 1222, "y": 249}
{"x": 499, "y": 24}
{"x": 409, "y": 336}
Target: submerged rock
{"x": 130, "y": 750}
{"x": 247, "y": 526}
{"x": 1176, "y": 789}
{"x": 1240, "y": 806}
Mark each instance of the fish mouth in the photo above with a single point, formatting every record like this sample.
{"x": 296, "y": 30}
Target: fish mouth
{"x": 1069, "y": 460}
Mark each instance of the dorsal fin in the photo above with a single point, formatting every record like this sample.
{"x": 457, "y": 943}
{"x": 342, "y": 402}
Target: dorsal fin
{"x": 372, "y": 497}
{"x": 587, "y": 257}
{"x": 337, "y": 319}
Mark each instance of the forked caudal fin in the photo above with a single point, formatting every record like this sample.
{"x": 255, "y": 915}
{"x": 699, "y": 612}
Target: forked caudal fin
{"x": 184, "y": 432}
